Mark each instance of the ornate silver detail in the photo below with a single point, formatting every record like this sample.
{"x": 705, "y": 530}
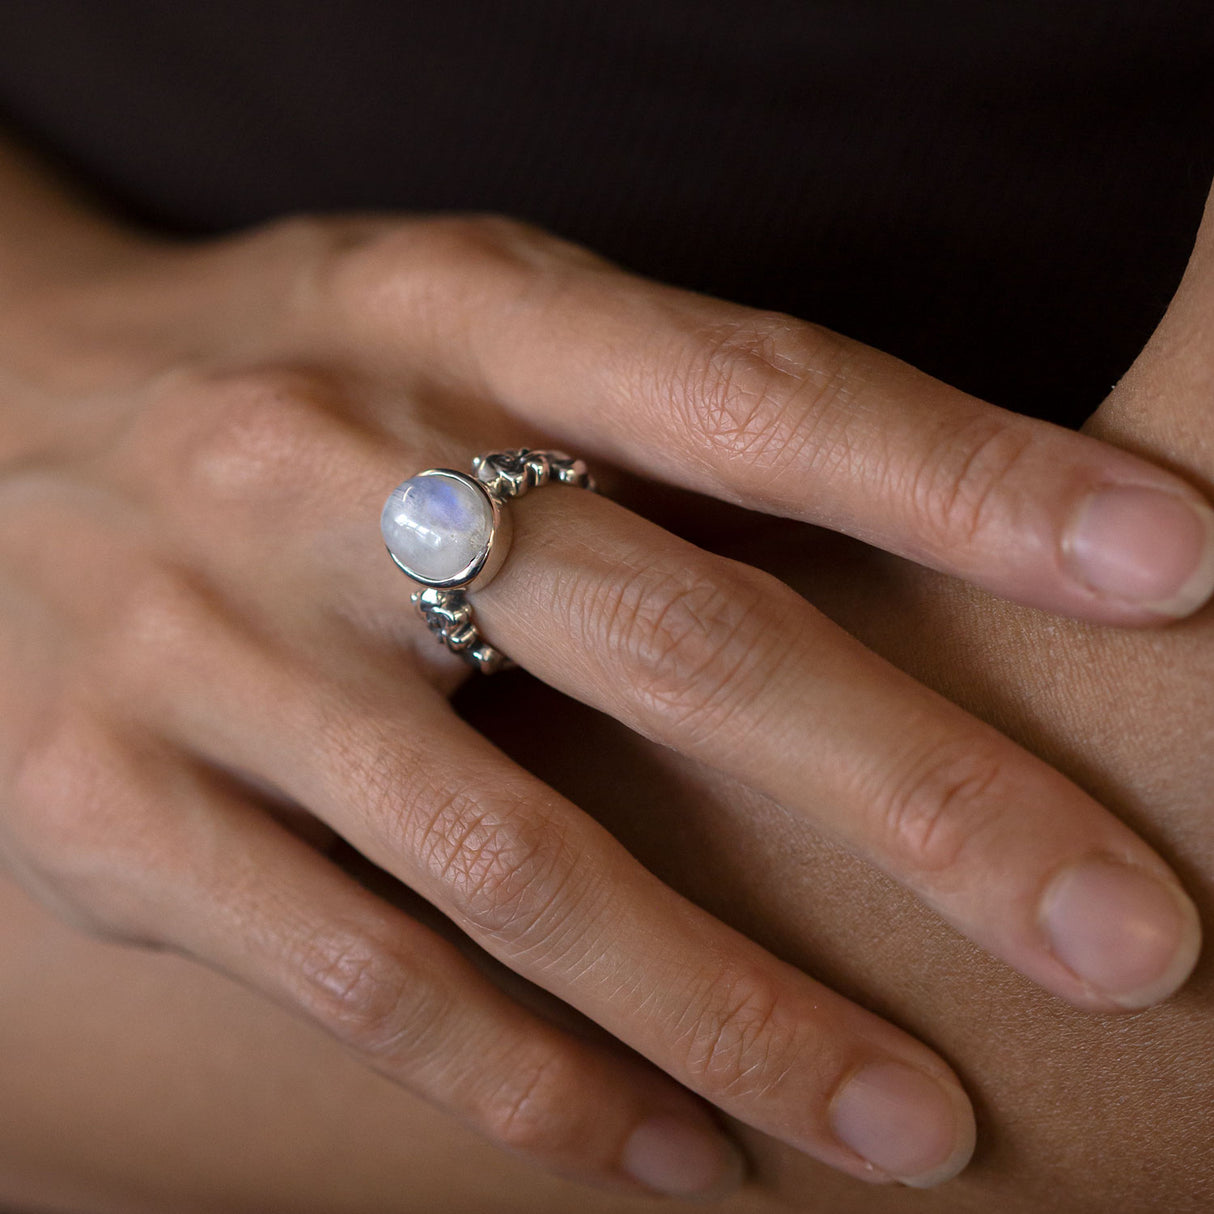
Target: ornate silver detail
{"x": 505, "y": 475}
{"x": 508, "y": 474}
{"x": 448, "y": 614}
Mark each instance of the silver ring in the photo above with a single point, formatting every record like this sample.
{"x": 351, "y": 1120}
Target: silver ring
{"x": 451, "y": 532}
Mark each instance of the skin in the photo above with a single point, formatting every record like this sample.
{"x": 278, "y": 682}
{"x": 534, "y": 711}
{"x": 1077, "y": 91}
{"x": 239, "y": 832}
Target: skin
{"x": 108, "y": 744}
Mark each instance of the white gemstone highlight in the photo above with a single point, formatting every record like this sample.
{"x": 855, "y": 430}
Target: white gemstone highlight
{"x": 438, "y": 526}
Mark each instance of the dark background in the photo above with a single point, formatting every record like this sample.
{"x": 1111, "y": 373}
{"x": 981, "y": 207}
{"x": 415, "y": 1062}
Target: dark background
{"x": 1002, "y": 193}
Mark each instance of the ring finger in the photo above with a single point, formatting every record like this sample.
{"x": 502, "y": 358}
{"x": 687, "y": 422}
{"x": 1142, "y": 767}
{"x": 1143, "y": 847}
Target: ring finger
{"x": 727, "y": 665}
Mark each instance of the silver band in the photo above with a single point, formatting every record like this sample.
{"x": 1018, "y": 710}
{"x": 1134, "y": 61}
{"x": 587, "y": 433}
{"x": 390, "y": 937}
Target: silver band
{"x": 508, "y": 474}
{"x": 503, "y": 475}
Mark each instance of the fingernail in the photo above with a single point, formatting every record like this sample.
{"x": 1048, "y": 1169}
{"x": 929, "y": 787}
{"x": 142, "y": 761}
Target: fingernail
{"x": 905, "y": 1123}
{"x": 675, "y": 1157}
{"x": 1148, "y": 547}
{"x": 1132, "y": 937}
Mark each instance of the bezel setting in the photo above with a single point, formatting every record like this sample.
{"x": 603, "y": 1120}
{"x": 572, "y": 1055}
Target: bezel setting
{"x": 488, "y": 560}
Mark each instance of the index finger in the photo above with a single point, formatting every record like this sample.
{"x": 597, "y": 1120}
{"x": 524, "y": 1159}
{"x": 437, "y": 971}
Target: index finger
{"x": 769, "y": 412}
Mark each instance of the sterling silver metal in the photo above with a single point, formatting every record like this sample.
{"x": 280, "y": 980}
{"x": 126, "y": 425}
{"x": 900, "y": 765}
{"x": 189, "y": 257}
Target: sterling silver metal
{"x": 502, "y": 475}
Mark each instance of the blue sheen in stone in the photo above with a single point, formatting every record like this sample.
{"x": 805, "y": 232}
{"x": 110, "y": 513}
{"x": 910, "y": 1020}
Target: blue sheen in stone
{"x": 437, "y": 526}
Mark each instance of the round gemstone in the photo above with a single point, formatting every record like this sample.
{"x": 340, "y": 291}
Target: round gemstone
{"x": 438, "y": 526}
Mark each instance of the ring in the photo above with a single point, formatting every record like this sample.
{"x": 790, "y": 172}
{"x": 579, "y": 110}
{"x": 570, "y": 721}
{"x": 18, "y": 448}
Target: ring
{"x": 451, "y": 532}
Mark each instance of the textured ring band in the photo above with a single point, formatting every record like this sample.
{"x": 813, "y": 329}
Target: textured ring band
{"x": 450, "y": 532}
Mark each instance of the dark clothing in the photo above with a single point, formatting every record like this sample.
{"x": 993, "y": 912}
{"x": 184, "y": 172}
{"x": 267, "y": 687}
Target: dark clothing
{"x": 1003, "y": 193}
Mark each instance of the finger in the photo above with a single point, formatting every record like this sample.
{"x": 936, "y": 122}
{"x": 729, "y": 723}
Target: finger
{"x": 551, "y": 894}
{"x": 730, "y": 667}
{"x": 769, "y": 412}
{"x": 727, "y": 665}
{"x": 189, "y": 866}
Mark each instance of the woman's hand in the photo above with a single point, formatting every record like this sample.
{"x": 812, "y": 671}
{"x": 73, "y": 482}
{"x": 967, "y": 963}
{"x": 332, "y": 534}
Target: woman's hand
{"x": 207, "y": 662}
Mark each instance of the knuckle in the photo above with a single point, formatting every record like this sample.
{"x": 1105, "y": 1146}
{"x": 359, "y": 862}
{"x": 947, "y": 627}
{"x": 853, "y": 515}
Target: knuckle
{"x": 53, "y": 783}
{"x": 428, "y": 275}
{"x": 154, "y": 619}
{"x": 694, "y": 646}
{"x": 529, "y": 1110}
{"x": 441, "y": 275}
{"x": 491, "y": 239}
{"x": 422, "y": 262}
{"x": 261, "y": 434}
{"x": 940, "y": 806}
{"x": 506, "y": 866}
{"x": 301, "y": 258}
{"x": 743, "y": 1039}
{"x": 82, "y": 830}
{"x": 483, "y": 235}
{"x": 286, "y": 243}
{"x": 958, "y": 492}
{"x": 766, "y": 390}
{"x": 367, "y": 999}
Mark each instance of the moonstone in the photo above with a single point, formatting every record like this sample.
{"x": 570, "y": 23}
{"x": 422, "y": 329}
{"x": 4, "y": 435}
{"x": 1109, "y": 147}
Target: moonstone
{"x": 437, "y": 526}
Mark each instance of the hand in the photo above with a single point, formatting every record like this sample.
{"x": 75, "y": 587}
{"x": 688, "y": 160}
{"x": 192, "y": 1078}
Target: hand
{"x": 204, "y": 645}
{"x": 1083, "y": 1115}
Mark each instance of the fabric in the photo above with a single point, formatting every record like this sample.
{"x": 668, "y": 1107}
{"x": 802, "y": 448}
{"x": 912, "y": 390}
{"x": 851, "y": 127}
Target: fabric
{"x": 1002, "y": 193}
